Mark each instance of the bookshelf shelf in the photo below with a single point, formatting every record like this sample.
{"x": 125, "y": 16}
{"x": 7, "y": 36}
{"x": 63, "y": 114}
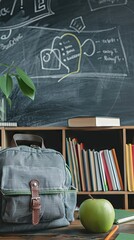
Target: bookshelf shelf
{"x": 104, "y": 193}
{"x": 97, "y": 138}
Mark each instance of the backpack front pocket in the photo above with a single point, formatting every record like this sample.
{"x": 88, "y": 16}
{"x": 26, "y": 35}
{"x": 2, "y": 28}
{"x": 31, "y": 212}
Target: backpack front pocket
{"x": 16, "y": 194}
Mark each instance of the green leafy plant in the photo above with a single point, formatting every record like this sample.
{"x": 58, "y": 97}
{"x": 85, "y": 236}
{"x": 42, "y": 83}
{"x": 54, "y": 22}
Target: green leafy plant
{"x": 25, "y": 83}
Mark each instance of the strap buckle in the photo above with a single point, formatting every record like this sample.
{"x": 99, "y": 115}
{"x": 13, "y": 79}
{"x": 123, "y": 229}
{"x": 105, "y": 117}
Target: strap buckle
{"x": 35, "y": 201}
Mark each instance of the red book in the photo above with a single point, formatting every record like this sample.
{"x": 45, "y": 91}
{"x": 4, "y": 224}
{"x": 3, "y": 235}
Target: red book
{"x": 108, "y": 178}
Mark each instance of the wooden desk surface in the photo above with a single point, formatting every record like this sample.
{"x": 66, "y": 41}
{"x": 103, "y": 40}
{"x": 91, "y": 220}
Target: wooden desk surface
{"x": 75, "y": 232}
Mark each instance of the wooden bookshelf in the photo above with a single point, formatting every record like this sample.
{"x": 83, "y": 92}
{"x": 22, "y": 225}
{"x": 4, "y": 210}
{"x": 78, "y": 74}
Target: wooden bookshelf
{"x": 94, "y": 138}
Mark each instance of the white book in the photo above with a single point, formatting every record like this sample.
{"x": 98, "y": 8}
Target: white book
{"x": 92, "y": 170}
{"x": 99, "y": 183}
{"x": 115, "y": 171}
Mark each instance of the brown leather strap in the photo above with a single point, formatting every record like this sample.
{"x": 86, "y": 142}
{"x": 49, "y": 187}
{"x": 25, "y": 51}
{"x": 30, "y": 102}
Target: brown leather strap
{"x": 35, "y": 201}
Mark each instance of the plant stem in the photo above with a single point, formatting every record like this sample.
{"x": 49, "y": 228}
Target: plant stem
{"x": 90, "y": 196}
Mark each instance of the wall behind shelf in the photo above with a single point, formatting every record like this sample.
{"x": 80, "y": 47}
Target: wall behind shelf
{"x": 52, "y": 39}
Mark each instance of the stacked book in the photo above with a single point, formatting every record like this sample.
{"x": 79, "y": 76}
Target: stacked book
{"x": 93, "y": 170}
{"x": 93, "y": 121}
{"x": 8, "y": 124}
{"x": 130, "y": 166}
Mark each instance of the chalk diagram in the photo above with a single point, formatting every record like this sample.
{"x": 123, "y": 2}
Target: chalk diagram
{"x": 70, "y": 48}
{"x": 96, "y": 5}
{"x": 65, "y": 49}
{"x": 103, "y": 48}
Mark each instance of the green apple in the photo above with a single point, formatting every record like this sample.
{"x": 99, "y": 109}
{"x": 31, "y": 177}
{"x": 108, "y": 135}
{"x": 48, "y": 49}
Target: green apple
{"x": 97, "y": 215}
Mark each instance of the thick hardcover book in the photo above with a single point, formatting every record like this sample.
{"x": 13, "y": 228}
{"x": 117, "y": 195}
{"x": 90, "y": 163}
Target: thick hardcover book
{"x": 122, "y": 216}
{"x": 93, "y": 122}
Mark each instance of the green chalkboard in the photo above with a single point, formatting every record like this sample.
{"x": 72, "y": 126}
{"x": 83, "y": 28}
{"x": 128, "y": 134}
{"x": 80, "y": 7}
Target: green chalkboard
{"x": 79, "y": 53}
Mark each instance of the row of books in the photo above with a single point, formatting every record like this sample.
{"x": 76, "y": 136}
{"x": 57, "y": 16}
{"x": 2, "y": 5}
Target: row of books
{"x": 93, "y": 170}
{"x": 130, "y": 166}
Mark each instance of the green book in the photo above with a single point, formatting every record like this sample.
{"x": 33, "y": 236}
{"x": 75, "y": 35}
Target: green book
{"x": 125, "y": 236}
{"x": 122, "y": 216}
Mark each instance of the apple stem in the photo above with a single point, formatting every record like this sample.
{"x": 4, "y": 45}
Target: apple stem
{"x": 90, "y": 196}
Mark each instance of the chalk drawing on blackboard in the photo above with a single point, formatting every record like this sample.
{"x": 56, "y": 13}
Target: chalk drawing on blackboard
{"x": 103, "y": 54}
{"x": 95, "y": 5}
{"x": 67, "y": 50}
{"x": 39, "y": 5}
{"x": 13, "y": 7}
{"x": 3, "y": 11}
{"x": 6, "y": 34}
{"x": 36, "y": 10}
{"x": 90, "y": 42}
{"x": 77, "y": 24}
{"x": 47, "y": 55}
{"x": 4, "y": 45}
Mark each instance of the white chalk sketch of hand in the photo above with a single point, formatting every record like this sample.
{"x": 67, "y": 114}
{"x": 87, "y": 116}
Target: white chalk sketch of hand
{"x": 66, "y": 51}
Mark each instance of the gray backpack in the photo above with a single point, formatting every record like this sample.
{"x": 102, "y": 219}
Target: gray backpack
{"x": 36, "y": 190}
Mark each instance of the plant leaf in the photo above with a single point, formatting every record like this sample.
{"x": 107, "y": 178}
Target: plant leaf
{"x": 6, "y": 84}
{"x": 25, "y": 83}
{"x": 26, "y": 90}
{"x": 9, "y": 102}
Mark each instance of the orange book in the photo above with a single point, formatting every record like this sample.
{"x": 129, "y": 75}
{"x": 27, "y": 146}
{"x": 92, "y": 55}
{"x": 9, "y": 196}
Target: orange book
{"x": 128, "y": 168}
{"x": 117, "y": 168}
{"x": 133, "y": 155}
{"x": 131, "y": 166}
{"x": 80, "y": 146}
